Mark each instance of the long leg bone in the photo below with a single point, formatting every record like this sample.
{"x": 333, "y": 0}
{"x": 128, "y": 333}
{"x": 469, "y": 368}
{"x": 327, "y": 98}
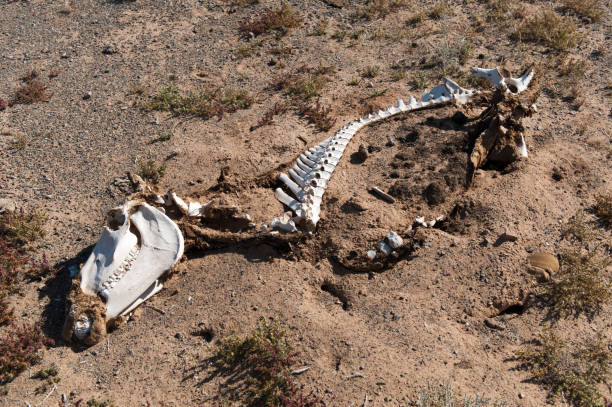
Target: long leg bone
{"x": 308, "y": 179}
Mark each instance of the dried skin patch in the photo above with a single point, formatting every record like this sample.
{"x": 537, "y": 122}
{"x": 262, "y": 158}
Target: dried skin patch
{"x": 84, "y": 309}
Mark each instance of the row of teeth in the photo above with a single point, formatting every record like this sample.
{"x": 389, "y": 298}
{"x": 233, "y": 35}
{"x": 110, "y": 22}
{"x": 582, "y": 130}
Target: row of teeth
{"x": 308, "y": 178}
{"x": 121, "y": 271}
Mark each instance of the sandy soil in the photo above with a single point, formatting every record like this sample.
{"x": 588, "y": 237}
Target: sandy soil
{"x": 419, "y": 319}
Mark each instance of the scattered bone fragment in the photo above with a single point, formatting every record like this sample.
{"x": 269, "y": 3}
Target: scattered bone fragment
{"x": 371, "y": 254}
{"x": 542, "y": 265}
{"x": 382, "y": 195}
{"x": 384, "y": 248}
{"x": 394, "y": 240}
{"x": 284, "y": 223}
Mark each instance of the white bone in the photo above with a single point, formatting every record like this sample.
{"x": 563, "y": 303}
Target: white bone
{"x": 492, "y": 75}
{"x": 287, "y": 200}
{"x": 123, "y": 266}
{"x": 295, "y": 189}
{"x": 284, "y": 223}
{"x": 523, "y": 147}
{"x": 314, "y": 168}
{"x": 521, "y": 83}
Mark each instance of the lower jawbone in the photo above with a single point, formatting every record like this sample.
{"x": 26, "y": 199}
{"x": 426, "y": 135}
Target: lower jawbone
{"x": 139, "y": 244}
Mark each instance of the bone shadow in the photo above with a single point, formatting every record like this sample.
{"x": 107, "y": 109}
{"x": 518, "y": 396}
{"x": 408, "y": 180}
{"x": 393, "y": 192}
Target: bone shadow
{"x": 56, "y": 289}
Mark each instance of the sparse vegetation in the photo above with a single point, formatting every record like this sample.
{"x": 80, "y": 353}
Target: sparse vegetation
{"x": 592, "y": 10}
{"x": 571, "y": 370}
{"x": 305, "y": 83}
{"x": 162, "y": 137}
{"x": 371, "y": 71}
{"x": 576, "y": 228}
{"x": 420, "y": 80}
{"x": 317, "y": 114}
{"x": 603, "y": 208}
{"x": 150, "y": 171}
{"x": 32, "y": 91}
{"x": 581, "y": 286}
{"x": 50, "y": 376}
{"x": 549, "y": 28}
{"x": 266, "y": 356}
{"x": 103, "y": 403}
{"x": 319, "y": 30}
{"x": 442, "y": 395}
{"x": 375, "y": 9}
{"x": 439, "y": 10}
{"x": 268, "y": 116}
{"x": 21, "y": 227}
{"x": 281, "y": 20}
{"x": 19, "y": 349}
{"x": 203, "y": 103}
{"x": 17, "y": 231}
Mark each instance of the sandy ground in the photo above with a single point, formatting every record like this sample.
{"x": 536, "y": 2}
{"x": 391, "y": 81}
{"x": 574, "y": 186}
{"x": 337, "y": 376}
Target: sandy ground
{"x": 420, "y": 320}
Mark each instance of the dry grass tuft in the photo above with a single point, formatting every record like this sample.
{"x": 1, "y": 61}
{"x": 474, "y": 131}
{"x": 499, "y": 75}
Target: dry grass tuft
{"x": 150, "y": 171}
{"x": 591, "y": 10}
{"x": 549, "y": 28}
{"x": 281, "y": 20}
{"x": 439, "y": 10}
{"x": 603, "y": 208}
{"x": 20, "y": 228}
{"x": 317, "y": 114}
{"x": 265, "y": 356}
{"x": 581, "y": 285}
{"x": 571, "y": 371}
{"x": 376, "y": 9}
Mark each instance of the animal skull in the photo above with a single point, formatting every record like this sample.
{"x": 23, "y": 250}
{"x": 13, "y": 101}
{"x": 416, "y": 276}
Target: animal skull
{"x": 137, "y": 247}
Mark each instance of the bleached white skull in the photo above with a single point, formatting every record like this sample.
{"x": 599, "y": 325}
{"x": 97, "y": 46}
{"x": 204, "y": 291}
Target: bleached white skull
{"x": 139, "y": 244}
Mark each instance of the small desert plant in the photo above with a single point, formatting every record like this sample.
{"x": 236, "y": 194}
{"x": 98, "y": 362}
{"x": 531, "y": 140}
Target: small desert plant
{"x": 47, "y": 373}
{"x": 317, "y": 114}
{"x": 267, "y": 356}
{"x": 305, "y": 83}
{"x": 150, "y": 171}
{"x": 577, "y": 228}
{"x": 439, "y": 10}
{"x": 580, "y": 286}
{"x": 20, "y": 227}
{"x": 162, "y": 137}
{"x": 98, "y": 403}
{"x": 592, "y": 10}
{"x": 371, "y": 71}
{"x": 571, "y": 370}
{"x": 268, "y": 116}
{"x": 32, "y": 91}
{"x": 319, "y": 30}
{"x": 442, "y": 395}
{"x": 549, "y": 28}
{"x": 603, "y": 208}
{"x": 375, "y": 9}
{"x": 420, "y": 80}
{"x": 281, "y": 20}
{"x": 19, "y": 349}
